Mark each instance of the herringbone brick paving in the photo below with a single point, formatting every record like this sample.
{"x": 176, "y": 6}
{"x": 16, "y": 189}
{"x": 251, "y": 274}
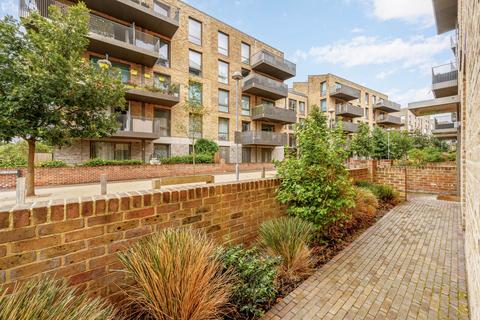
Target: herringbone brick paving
{"x": 409, "y": 265}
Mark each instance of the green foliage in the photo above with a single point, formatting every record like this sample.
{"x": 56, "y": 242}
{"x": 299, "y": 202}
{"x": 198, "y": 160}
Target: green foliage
{"x": 97, "y": 162}
{"x": 53, "y": 164}
{"x": 199, "y": 158}
{"x": 14, "y": 155}
{"x": 380, "y": 143}
{"x": 316, "y": 185}
{"x": 400, "y": 143}
{"x": 451, "y": 156}
{"x": 419, "y": 157}
{"x": 362, "y": 144}
{"x": 254, "y": 286}
{"x": 384, "y": 193}
{"x": 205, "y": 146}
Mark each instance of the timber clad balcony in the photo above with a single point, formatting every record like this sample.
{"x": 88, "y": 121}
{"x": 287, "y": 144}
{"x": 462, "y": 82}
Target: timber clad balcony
{"x": 259, "y": 85}
{"x": 263, "y": 138}
{"x": 276, "y": 66}
{"x": 344, "y": 92}
{"x": 271, "y": 113}
{"x": 165, "y": 94}
{"x": 387, "y": 106}
{"x": 138, "y": 127}
{"x": 150, "y": 14}
{"x": 348, "y": 110}
{"x": 386, "y": 119}
{"x": 349, "y": 127}
{"x": 445, "y": 80}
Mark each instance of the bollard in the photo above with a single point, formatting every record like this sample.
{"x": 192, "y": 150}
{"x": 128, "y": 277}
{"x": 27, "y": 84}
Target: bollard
{"x": 20, "y": 190}
{"x": 103, "y": 184}
{"x": 263, "y": 173}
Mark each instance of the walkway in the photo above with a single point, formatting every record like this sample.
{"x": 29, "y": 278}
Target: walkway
{"x": 410, "y": 265}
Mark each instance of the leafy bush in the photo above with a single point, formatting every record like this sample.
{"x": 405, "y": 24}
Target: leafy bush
{"x": 420, "y": 157}
{"x": 451, "y": 156}
{"x": 288, "y": 238}
{"x": 254, "y": 286}
{"x": 53, "y": 164}
{"x": 384, "y": 193}
{"x": 433, "y": 154}
{"x": 199, "y": 158}
{"x": 47, "y": 299}
{"x": 205, "y": 146}
{"x": 97, "y": 162}
{"x": 14, "y": 155}
{"x": 177, "y": 276}
{"x": 316, "y": 185}
{"x": 366, "y": 205}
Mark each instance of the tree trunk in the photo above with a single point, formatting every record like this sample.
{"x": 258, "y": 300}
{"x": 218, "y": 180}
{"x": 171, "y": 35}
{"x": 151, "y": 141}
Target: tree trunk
{"x": 31, "y": 168}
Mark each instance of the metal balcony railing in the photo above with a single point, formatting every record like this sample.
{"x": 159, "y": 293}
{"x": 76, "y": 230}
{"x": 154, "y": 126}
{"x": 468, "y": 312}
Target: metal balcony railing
{"x": 269, "y": 112}
{"x": 389, "y": 119}
{"x": 348, "y": 126}
{"x": 164, "y": 88}
{"x": 265, "y": 81}
{"x": 445, "y": 72}
{"x": 277, "y": 61}
{"x": 261, "y": 138}
{"x": 139, "y": 124}
{"x": 387, "y": 105}
{"x": 349, "y": 110}
{"x": 160, "y": 8}
{"x": 345, "y": 91}
{"x": 445, "y": 125}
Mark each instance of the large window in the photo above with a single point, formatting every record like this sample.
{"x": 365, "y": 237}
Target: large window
{"x": 110, "y": 150}
{"x": 301, "y": 107}
{"x": 292, "y": 105}
{"x": 222, "y": 100}
{"x": 245, "y": 53}
{"x": 367, "y": 100}
{"x": 161, "y": 151}
{"x": 164, "y": 52}
{"x": 162, "y": 122}
{"x": 245, "y": 126}
{"x": 195, "y": 125}
{"x": 367, "y": 113}
{"x": 323, "y": 105}
{"x": 374, "y": 100}
{"x": 222, "y": 72}
{"x": 195, "y": 92}
{"x": 195, "y": 63}
{"x": 268, "y": 127}
{"x": 323, "y": 89}
{"x": 246, "y": 155}
{"x": 245, "y": 105}
{"x": 222, "y": 129}
{"x": 194, "y": 31}
{"x": 223, "y": 43}
{"x": 122, "y": 69}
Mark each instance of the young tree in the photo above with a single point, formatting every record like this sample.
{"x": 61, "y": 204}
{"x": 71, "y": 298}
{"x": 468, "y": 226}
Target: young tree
{"x": 316, "y": 185}
{"x": 400, "y": 144}
{"x": 48, "y": 92}
{"x": 361, "y": 144}
{"x": 380, "y": 143}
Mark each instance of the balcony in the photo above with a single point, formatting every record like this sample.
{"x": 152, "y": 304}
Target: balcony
{"x": 349, "y": 127}
{"x": 348, "y": 110}
{"x": 387, "y": 106}
{"x": 261, "y": 138}
{"x": 278, "y": 67}
{"x": 152, "y": 15}
{"x": 435, "y": 106}
{"x": 445, "y": 12}
{"x": 271, "y": 113}
{"x": 259, "y": 85}
{"x": 164, "y": 94}
{"x": 445, "y": 80}
{"x": 388, "y": 120}
{"x": 344, "y": 92}
{"x": 138, "y": 127}
{"x": 445, "y": 130}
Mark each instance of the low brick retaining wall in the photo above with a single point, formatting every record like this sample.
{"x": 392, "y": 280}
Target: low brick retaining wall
{"x": 78, "y": 175}
{"x": 79, "y": 240}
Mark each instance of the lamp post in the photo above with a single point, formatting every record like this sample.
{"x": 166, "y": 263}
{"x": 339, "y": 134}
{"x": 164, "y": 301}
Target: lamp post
{"x": 237, "y": 76}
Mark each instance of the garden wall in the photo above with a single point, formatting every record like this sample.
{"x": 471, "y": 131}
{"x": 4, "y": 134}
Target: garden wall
{"x": 79, "y": 240}
{"x": 78, "y": 175}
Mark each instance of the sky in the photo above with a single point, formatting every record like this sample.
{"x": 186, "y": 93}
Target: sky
{"x": 386, "y": 45}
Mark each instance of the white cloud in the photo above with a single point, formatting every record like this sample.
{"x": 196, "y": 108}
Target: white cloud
{"x": 364, "y": 50}
{"x": 411, "y": 95}
{"x": 385, "y": 74}
{"x": 356, "y": 30}
{"x": 408, "y": 10}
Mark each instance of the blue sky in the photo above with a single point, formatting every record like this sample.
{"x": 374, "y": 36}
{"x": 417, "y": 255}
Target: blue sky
{"x": 387, "y": 45}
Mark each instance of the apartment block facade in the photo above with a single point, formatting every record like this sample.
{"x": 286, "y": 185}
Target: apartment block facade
{"x": 349, "y": 102}
{"x": 168, "y": 52}
{"x": 411, "y": 123}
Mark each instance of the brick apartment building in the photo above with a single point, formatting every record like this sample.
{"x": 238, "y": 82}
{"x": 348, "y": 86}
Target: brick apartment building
{"x": 349, "y": 101}
{"x": 410, "y": 122}
{"x": 168, "y": 51}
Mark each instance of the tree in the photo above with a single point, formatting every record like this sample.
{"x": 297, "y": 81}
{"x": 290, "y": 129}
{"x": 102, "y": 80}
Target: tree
{"x": 361, "y": 144}
{"x": 316, "y": 185}
{"x": 47, "y": 90}
{"x": 400, "y": 144}
{"x": 205, "y": 146}
{"x": 380, "y": 143}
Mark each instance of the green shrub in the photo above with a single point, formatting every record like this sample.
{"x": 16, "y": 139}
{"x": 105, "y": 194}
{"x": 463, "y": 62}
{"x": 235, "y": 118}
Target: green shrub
{"x": 14, "y": 155}
{"x": 199, "y": 158}
{"x": 47, "y": 299}
{"x": 205, "y": 146}
{"x": 53, "y": 164}
{"x": 451, "y": 156}
{"x": 289, "y": 238}
{"x": 384, "y": 193}
{"x": 433, "y": 154}
{"x": 97, "y": 162}
{"x": 254, "y": 286}
{"x": 416, "y": 157}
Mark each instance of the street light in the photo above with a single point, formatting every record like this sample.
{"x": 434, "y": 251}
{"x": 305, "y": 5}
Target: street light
{"x": 237, "y": 76}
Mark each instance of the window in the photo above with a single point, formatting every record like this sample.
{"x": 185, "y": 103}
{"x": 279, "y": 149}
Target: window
{"x": 323, "y": 105}
{"x": 268, "y": 102}
{"x": 195, "y": 63}
{"x": 164, "y": 53}
{"x": 122, "y": 69}
{"x": 374, "y": 100}
{"x": 367, "y": 98}
{"x": 195, "y": 125}
{"x": 223, "y": 43}
{"x": 338, "y": 85}
{"x": 222, "y": 129}
{"x": 223, "y": 100}
{"x": 292, "y": 105}
{"x": 323, "y": 89}
{"x": 161, "y": 151}
{"x": 222, "y": 72}
{"x": 194, "y": 31}
{"x": 161, "y": 8}
{"x": 245, "y": 53}
{"x": 367, "y": 113}
{"x": 268, "y": 127}
{"x": 162, "y": 122}
{"x": 110, "y": 150}
{"x": 195, "y": 92}
{"x": 224, "y": 153}
{"x": 245, "y": 126}
{"x": 161, "y": 81}
{"x": 246, "y": 155}
{"x": 245, "y": 105}
{"x": 301, "y": 107}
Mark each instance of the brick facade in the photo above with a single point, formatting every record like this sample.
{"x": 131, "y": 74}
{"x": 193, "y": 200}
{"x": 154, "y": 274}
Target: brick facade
{"x": 79, "y": 240}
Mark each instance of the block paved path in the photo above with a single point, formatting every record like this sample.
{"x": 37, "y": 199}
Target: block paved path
{"x": 409, "y": 265}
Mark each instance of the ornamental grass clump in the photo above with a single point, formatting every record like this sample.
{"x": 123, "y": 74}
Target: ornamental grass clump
{"x": 177, "y": 275}
{"x": 289, "y": 239}
{"x": 47, "y": 299}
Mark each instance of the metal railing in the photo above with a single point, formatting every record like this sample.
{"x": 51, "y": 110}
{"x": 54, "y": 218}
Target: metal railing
{"x": 348, "y": 126}
{"x": 445, "y": 125}
{"x": 165, "y": 88}
{"x": 139, "y": 124}
{"x": 271, "y": 112}
{"x": 268, "y": 57}
{"x": 389, "y": 104}
{"x": 258, "y": 79}
{"x": 261, "y": 138}
{"x": 346, "y": 90}
{"x": 347, "y": 108}
{"x": 41, "y": 6}
{"x": 445, "y": 72}
{"x": 386, "y": 118}
{"x": 160, "y": 8}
